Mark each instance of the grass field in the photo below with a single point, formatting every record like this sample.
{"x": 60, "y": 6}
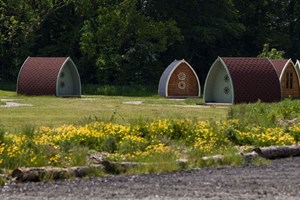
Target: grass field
{"x": 53, "y": 111}
{"x": 147, "y": 129}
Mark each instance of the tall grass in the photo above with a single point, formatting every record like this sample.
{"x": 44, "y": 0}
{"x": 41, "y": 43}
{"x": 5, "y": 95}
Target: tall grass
{"x": 266, "y": 114}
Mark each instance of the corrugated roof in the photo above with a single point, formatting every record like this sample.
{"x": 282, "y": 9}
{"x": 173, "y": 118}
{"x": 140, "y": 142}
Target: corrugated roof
{"x": 38, "y": 75}
{"x": 253, "y": 79}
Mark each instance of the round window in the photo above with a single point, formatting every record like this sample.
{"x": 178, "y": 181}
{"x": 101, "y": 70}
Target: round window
{"x": 181, "y": 76}
{"x": 181, "y": 85}
{"x": 62, "y": 74}
{"x": 226, "y": 78}
{"x": 226, "y": 90}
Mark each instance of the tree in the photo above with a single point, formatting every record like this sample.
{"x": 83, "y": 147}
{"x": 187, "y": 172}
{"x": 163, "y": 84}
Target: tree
{"x": 272, "y": 54}
{"x": 210, "y": 29}
{"x": 19, "y": 24}
{"x": 270, "y": 21}
{"x": 286, "y": 25}
{"x": 124, "y": 44}
{"x": 256, "y": 17}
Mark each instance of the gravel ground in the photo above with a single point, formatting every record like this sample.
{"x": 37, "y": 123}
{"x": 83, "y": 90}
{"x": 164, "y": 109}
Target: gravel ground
{"x": 278, "y": 180}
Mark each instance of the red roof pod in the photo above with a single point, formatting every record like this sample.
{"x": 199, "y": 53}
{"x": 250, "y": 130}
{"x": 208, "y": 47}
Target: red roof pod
{"x": 242, "y": 80}
{"x": 49, "y": 76}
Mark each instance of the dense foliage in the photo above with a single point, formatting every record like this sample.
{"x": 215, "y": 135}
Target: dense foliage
{"x": 124, "y": 42}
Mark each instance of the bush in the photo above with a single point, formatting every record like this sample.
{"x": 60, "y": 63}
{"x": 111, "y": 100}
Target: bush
{"x": 120, "y": 90}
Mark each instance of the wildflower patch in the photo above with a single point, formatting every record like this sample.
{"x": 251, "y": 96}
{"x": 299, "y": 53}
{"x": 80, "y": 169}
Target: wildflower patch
{"x": 69, "y": 145}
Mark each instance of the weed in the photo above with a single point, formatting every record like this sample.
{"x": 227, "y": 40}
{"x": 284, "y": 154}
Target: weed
{"x": 2, "y": 133}
{"x": 110, "y": 144}
{"x": 28, "y": 130}
{"x": 3, "y": 180}
{"x": 156, "y": 163}
{"x": 259, "y": 161}
{"x": 77, "y": 156}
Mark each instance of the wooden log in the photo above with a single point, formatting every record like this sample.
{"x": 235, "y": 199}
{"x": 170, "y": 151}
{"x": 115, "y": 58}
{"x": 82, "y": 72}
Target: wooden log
{"x": 119, "y": 167}
{"x": 274, "y": 152}
{"x": 214, "y": 157}
{"x": 249, "y": 156}
{"x": 35, "y": 174}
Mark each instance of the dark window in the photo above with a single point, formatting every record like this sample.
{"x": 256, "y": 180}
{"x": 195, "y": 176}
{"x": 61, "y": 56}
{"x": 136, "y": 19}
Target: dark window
{"x": 289, "y": 81}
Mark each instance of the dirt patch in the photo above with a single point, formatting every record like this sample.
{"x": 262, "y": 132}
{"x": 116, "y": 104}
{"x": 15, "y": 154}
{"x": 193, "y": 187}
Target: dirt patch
{"x": 88, "y": 99}
{"x": 133, "y": 102}
{"x": 277, "y": 180}
{"x": 10, "y": 103}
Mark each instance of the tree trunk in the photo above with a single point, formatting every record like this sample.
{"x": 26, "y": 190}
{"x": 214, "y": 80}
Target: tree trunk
{"x": 36, "y": 174}
{"x": 274, "y": 152}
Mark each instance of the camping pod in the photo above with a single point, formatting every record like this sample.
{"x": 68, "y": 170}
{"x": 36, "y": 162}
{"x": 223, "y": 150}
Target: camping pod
{"x": 288, "y": 77}
{"x": 241, "y": 80}
{"x": 56, "y": 76}
{"x": 179, "y": 80}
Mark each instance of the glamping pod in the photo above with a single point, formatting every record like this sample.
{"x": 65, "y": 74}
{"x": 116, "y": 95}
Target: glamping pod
{"x": 288, "y": 77}
{"x": 49, "y": 76}
{"x": 179, "y": 80}
{"x": 241, "y": 80}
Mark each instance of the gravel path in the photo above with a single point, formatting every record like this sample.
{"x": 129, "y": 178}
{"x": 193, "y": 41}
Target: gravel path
{"x": 278, "y": 180}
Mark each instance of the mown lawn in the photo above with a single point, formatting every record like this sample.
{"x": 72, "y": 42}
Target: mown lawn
{"x": 53, "y": 111}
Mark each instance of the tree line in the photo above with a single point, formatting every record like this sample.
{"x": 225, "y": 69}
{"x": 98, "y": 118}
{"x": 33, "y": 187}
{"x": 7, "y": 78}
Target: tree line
{"x": 126, "y": 42}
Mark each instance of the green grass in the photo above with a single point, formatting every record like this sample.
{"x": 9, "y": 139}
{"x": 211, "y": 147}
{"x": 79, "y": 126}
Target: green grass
{"x": 259, "y": 161}
{"x": 266, "y": 114}
{"x": 132, "y": 110}
{"x": 53, "y": 111}
{"x": 119, "y": 90}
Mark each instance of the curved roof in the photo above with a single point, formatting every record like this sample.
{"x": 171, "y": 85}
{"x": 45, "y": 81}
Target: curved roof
{"x": 297, "y": 65}
{"x": 165, "y": 77}
{"x": 280, "y": 65}
{"x": 253, "y": 79}
{"x": 38, "y": 75}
